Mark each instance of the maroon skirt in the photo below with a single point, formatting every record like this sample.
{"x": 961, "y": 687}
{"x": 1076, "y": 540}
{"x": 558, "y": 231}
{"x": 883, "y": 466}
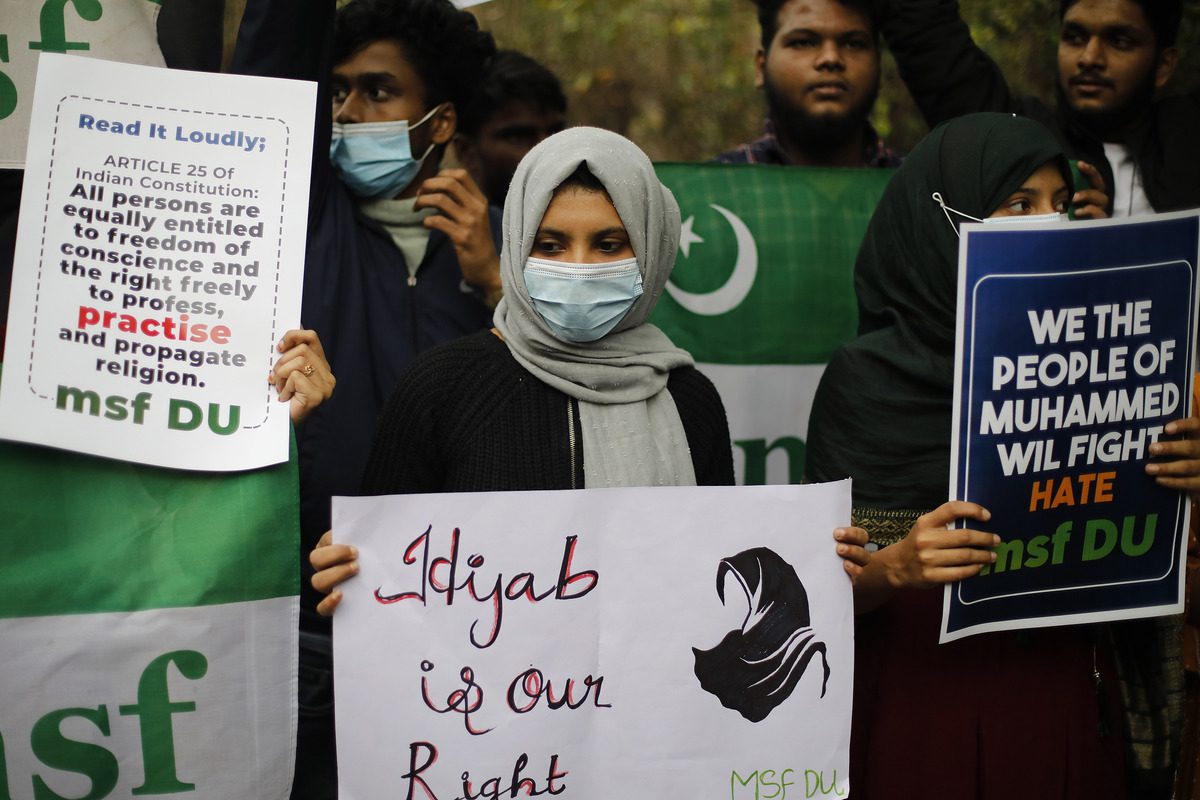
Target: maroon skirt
{"x": 995, "y": 716}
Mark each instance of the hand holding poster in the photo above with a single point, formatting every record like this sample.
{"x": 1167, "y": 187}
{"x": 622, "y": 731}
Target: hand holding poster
{"x": 158, "y": 262}
{"x": 670, "y": 642}
{"x": 1075, "y": 349}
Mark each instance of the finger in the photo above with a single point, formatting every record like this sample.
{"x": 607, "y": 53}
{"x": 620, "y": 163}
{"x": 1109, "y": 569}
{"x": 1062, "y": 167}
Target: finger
{"x": 1090, "y": 212}
{"x": 1188, "y": 426}
{"x": 455, "y": 231}
{"x": 957, "y": 557}
{"x": 1181, "y": 468}
{"x": 952, "y": 574}
{"x": 1093, "y": 176}
{"x": 854, "y": 555}
{"x": 325, "y": 580}
{"x": 853, "y": 570}
{"x": 298, "y": 336}
{"x": 439, "y": 191}
{"x": 326, "y": 539}
{"x": 1184, "y": 448}
{"x": 946, "y": 513}
{"x": 285, "y": 366}
{"x": 1090, "y": 197}
{"x": 330, "y": 555}
{"x": 462, "y": 182}
{"x": 943, "y": 538}
{"x": 854, "y": 536}
{"x": 327, "y": 606}
{"x": 1090, "y": 205}
{"x": 1182, "y": 484}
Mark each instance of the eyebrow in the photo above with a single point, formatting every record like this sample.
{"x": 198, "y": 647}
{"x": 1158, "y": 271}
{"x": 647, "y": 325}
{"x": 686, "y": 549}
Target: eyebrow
{"x": 613, "y": 231}
{"x": 366, "y": 77}
{"x": 822, "y": 34}
{"x": 1115, "y": 29}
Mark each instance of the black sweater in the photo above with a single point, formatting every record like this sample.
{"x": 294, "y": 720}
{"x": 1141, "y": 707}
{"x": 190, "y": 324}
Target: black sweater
{"x": 468, "y": 418}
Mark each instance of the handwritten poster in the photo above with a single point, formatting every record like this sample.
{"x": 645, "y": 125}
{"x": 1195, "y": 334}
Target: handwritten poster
{"x": 1076, "y": 346}
{"x": 669, "y": 642}
{"x": 159, "y": 260}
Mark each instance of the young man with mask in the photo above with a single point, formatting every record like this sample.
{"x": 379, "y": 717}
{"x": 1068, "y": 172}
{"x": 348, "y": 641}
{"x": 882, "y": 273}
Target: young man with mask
{"x": 401, "y": 255}
{"x": 1113, "y": 57}
{"x": 819, "y": 69}
{"x": 519, "y": 103}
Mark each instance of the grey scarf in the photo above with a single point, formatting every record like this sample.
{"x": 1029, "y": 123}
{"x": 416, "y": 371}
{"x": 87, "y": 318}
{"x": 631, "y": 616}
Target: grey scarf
{"x": 632, "y": 435}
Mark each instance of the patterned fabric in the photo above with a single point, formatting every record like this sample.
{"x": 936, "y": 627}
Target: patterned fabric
{"x": 884, "y": 526}
{"x": 766, "y": 150}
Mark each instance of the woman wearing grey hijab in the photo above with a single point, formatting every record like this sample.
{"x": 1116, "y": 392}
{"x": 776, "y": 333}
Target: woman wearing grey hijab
{"x": 572, "y": 388}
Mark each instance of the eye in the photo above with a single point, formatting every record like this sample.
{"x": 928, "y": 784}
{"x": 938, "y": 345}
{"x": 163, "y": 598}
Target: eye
{"x": 379, "y": 94}
{"x": 798, "y": 42}
{"x": 1019, "y": 206}
{"x": 547, "y": 247}
{"x": 339, "y": 95}
{"x": 1061, "y": 206}
{"x": 610, "y": 246}
{"x": 1073, "y": 36}
{"x": 858, "y": 43}
{"x": 1122, "y": 42}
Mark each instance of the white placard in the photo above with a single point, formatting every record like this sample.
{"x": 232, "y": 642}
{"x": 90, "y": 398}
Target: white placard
{"x": 586, "y": 651}
{"x": 159, "y": 259}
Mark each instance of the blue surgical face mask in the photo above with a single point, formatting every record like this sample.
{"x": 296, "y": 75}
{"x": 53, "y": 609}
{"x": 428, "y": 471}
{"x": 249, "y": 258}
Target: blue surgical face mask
{"x": 1054, "y": 217}
{"x": 947, "y": 210}
{"x": 375, "y": 159}
{"x": 582, "y": 302}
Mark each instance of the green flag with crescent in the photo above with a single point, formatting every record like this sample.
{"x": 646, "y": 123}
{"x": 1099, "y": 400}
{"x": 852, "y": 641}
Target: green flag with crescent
{"x": 763, "y": 293}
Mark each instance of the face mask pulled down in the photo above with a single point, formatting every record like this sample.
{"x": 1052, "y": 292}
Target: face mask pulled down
{"x": 374, "y": 159}
{"x": 581, "y": 303}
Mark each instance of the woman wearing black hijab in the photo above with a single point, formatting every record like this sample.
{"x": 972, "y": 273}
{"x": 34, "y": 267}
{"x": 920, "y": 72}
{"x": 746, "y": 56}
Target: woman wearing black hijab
{"x": 1023, "y": 714}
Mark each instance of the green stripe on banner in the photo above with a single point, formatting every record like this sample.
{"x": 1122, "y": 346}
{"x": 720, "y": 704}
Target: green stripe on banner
{"x": 765, "y": 273}
{"x": 88, "y": 535}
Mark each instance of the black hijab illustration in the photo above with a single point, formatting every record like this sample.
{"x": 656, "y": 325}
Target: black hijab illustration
{"x": 755, "y": 668}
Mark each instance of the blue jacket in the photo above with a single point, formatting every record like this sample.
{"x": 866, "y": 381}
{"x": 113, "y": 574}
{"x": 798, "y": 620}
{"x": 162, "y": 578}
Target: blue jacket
{"x": 357, "y": 293}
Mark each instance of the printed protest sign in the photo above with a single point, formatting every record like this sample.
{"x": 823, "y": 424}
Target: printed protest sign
{"x": 148, "y": 622}
{"x": 1076, "y": 346}
{"x": 116, "y": 30}
{"x": 763, "y": 292}
{"x": 669, "y": 642}
{"x": 158, "y": 261}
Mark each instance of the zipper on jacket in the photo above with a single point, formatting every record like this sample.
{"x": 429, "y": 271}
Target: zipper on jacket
{"x": 571, "y": 437}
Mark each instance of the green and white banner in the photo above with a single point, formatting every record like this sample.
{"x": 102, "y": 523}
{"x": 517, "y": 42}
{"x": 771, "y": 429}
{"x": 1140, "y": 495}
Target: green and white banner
{"x": 763, "y": 293}
{"x": 148, "y": 629}
{"x": 116, "y": 30}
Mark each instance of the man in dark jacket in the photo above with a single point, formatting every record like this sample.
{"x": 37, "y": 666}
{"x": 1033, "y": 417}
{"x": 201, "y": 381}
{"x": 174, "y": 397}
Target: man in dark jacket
{"x": 818, "y": 67}
{"x": 401, "y": 255}
{"x": 1113, "y": 56}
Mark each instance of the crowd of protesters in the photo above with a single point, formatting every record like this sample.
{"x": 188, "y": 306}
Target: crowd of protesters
{"x": 487, "y": 327}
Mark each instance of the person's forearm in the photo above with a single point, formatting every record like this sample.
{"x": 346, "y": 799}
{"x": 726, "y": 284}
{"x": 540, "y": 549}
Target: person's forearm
{"x": 947, "y": 74}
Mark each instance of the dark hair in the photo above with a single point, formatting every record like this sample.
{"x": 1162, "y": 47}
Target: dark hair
{"x": 443, "y": 45}
{"x": 582, "y": 178}
{"x": 1164, "y": 17}
{"x": 511, "y": 76}
{"x": 768, "y": 17}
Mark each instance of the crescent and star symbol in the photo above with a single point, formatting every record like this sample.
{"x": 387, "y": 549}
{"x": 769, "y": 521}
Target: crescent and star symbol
{"x": 745, "y": 269}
